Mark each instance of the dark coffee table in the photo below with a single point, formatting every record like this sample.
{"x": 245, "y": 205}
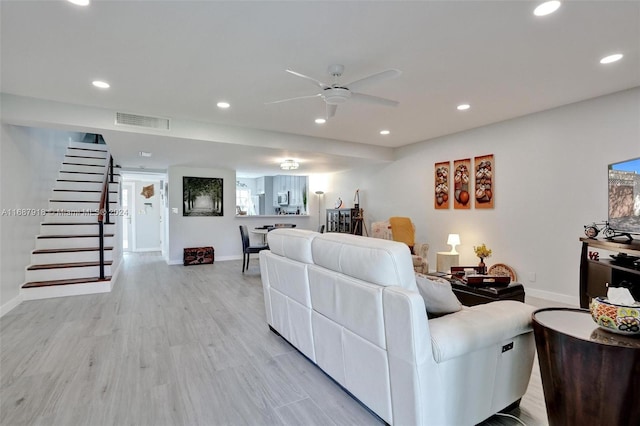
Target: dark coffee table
{"x": 474, "y": 295}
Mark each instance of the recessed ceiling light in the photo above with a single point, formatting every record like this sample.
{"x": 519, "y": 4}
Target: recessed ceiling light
{"x": 546, "y": 8}
{"x": 223, "y": 105}
{"x": 463, "y": 107}
{"x": 101, "y": 84}
{"x": 384, "y": 132}
{"x": 79, "y": 2}
{"x": 611, "y": 58}
{"x": 144, "y": 154}
{"x": 320, "y": 120}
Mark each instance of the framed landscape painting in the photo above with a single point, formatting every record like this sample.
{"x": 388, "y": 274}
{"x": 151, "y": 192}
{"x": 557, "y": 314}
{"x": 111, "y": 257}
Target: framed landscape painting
{"x": 441, "y": 195}
{"x": 484, "y": 192}
{"x": 202, "y": 196}
{"x": 462, "y": 184}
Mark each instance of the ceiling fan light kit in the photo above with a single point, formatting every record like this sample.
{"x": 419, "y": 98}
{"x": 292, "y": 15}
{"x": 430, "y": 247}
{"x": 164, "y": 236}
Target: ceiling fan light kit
{"x": 336, "y": 93}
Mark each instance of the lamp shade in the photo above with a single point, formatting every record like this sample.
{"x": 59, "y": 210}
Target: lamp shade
{"x": 453, "y": 240}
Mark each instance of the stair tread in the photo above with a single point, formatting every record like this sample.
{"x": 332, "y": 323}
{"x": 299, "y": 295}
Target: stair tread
{"x": 82, "y": 190}
{"x": 88, "y": 149}
{"x": 81, "y": 164}
{"x": 34, "y": 284}
{"x": 65, "y": 265}
{"x": 85, "y": 156}
{"x": 77, "y": 201}
{"x": 80, "y": 181}
{"x": 74, "y": 236}
{"x": 74, "y": 223}
{"x": 68, "y": 250}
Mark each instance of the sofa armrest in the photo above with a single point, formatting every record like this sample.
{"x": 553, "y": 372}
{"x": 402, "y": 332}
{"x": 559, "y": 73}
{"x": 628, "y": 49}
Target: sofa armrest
{"x": 478, "y": 327}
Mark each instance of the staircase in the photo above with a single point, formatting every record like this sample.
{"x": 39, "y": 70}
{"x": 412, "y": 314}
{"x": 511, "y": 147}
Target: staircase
{"x": 66, "y": 260}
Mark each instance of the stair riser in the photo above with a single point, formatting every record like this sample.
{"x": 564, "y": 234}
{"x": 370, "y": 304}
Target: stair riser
{"x": 91, "y": 146}
{"x": 74, "y": 229}
{"x": 63, "y": 175}
{"x": 81, "y": 208}
{"x": 56, "y": 243}
{"x": 67, "y": 218}
{"x": 84, "y": 186}
{"x": 84, "y": 169}
{"x": 84, "y": 196}
{"x": 65, "y": 273}
{"x": 84, "y": 160}
{"x": 79, "y": 256}
{"x": 65, "y": 290}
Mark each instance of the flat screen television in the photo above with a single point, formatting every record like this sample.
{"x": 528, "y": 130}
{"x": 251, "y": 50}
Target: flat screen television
{"x": 624, "y": 197}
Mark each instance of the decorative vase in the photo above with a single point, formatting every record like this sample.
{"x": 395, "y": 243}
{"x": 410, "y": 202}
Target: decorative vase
{"x": 482, "y": 268}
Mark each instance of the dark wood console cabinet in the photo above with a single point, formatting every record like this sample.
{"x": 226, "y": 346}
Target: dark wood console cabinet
{"x": 595, "y": 274}
{"x": 343, "y": 220}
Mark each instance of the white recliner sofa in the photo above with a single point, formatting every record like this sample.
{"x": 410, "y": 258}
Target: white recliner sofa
{"x": 351, "y": 305}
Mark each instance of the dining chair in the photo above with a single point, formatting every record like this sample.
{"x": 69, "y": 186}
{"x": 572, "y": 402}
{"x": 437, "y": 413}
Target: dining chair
{"x": 247, "y": 248}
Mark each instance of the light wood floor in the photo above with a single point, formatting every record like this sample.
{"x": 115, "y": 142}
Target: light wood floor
{"x": 172, "y": 345}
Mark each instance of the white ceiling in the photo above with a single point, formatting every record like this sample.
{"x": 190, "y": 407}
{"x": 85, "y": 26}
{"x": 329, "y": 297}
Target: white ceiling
{"x": 176, "y": 59}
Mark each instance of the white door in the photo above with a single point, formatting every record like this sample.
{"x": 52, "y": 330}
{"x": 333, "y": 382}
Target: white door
{"x": 128, "y": 206}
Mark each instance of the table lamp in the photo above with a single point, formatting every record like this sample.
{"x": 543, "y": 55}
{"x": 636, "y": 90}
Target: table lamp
{"x": 453, "y": 241}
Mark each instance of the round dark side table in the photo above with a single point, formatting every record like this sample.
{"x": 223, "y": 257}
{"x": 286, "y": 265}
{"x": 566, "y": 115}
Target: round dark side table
{"x": 589, "y": 376}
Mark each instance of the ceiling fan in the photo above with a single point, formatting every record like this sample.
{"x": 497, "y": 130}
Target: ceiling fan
{"x": 336, "y": 93}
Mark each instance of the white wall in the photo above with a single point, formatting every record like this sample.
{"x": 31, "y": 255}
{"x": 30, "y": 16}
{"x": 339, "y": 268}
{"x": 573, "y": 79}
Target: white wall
{"x": 550, "y": 180}
{"x": 30, "y": 159}
{"x": 221, "y": 232}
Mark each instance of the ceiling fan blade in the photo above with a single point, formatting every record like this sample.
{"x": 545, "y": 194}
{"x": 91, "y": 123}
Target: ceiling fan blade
{"x": 374, "y": 78}
{"x": 360, "y": 97}
{"x": 316, "y": 82}
{"x": 331, "y": 110}
{"x": 293, "y": 99}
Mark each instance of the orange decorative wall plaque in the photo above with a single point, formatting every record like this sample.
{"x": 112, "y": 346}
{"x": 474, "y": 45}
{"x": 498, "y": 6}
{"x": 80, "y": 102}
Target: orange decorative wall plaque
{"x": 484, "y": 171}
{"x": 461, "y": 184}
{"x": 441, "y": 200}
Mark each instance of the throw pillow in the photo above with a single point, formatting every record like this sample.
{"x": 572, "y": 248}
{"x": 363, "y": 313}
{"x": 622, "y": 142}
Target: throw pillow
{"x": 438, "y": 296}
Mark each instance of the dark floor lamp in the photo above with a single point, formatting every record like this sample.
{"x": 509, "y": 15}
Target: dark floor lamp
{"x": 319, "y": 194}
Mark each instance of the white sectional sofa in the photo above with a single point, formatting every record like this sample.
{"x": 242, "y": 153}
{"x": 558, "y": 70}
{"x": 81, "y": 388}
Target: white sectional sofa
{"x": 351, "y": 305}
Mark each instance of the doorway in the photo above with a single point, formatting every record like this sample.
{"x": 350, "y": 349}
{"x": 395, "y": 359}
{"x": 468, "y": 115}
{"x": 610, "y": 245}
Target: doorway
{"x": 142, "y": 200}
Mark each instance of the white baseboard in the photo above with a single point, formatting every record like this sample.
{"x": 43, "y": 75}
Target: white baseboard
{"x": 556, "y": 297}
{"x": 146, "y": 250}
{"x": 4, "y": 309}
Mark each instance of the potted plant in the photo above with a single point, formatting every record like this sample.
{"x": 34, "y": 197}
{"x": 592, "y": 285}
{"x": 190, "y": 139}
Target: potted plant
{"x": 482, "y": 252}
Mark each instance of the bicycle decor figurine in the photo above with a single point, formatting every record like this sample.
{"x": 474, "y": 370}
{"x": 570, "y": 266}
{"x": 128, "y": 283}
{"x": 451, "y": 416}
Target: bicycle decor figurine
{"x": 593, "y": 230}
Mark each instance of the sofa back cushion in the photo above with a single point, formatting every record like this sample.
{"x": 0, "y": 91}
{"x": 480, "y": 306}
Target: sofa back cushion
{"x": 292, "y": 243}
{"x": 381, "y": 262}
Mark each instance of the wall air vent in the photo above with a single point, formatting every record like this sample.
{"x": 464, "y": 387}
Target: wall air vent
{"x": 124, "y": 119}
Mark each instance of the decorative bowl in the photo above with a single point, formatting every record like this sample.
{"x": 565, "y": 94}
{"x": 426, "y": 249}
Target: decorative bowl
{"x": 621, "y": 319}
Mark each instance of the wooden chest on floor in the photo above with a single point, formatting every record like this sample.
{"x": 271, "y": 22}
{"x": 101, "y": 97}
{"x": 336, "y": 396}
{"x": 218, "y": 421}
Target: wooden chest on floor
{"x": 198, "y": 255}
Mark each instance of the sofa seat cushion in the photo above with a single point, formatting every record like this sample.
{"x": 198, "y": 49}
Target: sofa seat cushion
{"x": 478, "y": 327}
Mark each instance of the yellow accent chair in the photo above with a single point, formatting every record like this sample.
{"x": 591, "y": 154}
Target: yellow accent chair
{"x": 403, "y": 230}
